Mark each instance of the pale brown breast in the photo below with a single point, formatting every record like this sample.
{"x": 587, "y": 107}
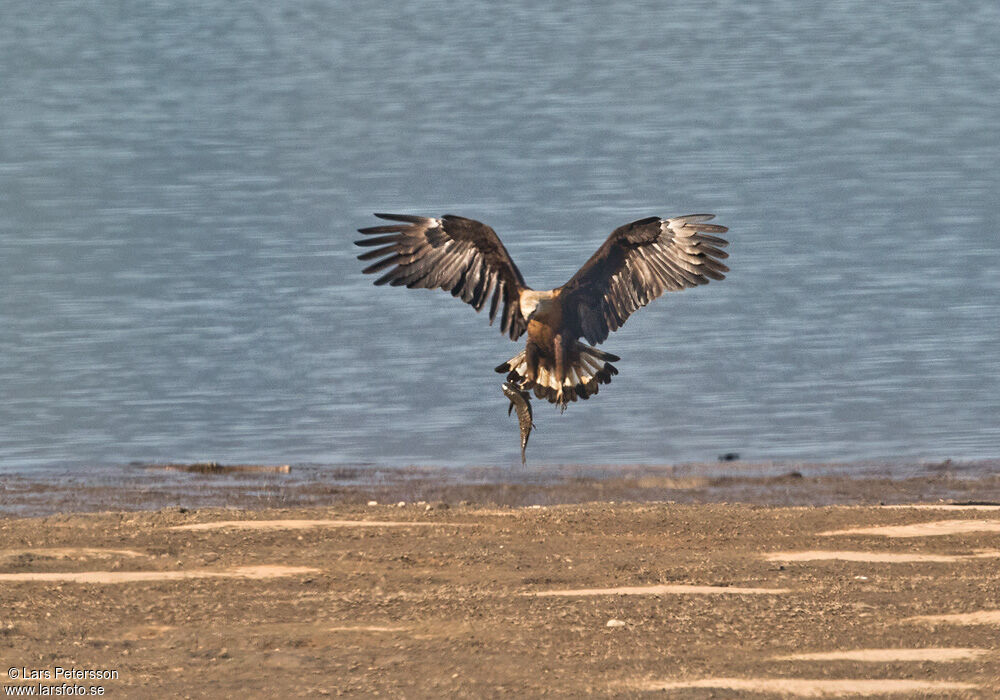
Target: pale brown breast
{"x": 546, "y": 323}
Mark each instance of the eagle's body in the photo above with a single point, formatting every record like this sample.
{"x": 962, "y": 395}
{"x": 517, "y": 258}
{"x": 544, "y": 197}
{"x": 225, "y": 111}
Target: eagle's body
{"x": 543, "y": 313}
{"x": 637, "y": 263}
{"x": 554, "y": 364}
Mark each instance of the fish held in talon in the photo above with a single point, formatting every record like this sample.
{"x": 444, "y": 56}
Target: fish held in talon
{"x": 559, "y": 363}
{"x": 520, "y": 400}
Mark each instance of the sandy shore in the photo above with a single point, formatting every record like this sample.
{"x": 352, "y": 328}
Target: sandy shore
{"x": 501, "y": 600}
{"x": 157, "y": 486}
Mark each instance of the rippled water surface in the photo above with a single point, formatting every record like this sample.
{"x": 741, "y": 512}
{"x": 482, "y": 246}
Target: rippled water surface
{"x": 180, "y": 183}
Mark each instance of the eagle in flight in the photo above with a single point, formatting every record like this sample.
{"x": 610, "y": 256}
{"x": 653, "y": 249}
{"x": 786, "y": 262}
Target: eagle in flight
{"x": 637, "y": 263}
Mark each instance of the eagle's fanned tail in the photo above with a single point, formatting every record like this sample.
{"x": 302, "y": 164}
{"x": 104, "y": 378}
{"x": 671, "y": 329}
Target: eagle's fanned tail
{"x": 586, "y": 371}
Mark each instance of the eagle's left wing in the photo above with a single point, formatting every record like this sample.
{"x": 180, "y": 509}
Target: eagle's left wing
{"x": 637, "y": 263}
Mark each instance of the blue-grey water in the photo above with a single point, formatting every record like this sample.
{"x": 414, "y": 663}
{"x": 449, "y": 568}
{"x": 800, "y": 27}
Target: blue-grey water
{"x": 180, "y": 183}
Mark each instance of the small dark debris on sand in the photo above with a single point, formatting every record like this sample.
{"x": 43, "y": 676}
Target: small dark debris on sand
{"x": 216, "y": 468}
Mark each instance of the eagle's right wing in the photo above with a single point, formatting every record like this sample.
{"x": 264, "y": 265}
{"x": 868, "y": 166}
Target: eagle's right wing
{"x": 458, "y": 255}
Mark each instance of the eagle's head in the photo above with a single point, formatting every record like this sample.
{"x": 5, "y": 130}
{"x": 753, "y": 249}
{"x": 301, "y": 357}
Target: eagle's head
{"x": 533, "y": 302}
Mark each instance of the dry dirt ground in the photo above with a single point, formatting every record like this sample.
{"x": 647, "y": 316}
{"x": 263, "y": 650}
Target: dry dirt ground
{"x": 612, "y": 600}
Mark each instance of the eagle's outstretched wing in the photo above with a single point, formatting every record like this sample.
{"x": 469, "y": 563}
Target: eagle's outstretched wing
{"x": 637, "y": 263}
{"x": 452, "y": 253}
